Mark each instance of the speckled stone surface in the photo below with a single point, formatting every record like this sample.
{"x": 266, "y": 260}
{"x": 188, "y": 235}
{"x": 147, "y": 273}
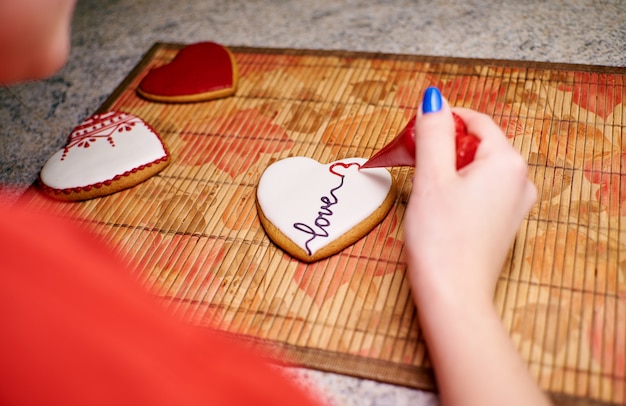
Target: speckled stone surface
{"x": 111, "y": 36}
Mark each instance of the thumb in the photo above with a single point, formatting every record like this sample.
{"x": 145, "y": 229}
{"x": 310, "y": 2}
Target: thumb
{"x": 435, "y": 154}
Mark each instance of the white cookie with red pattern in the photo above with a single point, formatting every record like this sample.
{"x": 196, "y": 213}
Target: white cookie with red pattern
{"x": 107, "y": 153}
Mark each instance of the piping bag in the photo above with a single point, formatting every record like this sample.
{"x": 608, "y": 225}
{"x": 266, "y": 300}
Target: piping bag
{"x": 401, "y": 150}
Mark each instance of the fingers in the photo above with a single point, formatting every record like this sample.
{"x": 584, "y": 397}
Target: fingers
{"x": 493, "y": 142}
{"x": 435, "y": 154}
{"x": 482, "y": 126}
{"x": 496, "y": 148}
{"x": 503, "y": 158}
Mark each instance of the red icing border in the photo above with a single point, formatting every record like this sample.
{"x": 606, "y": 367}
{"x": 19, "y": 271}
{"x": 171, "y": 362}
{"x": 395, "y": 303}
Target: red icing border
{"x": 98, "y": 185}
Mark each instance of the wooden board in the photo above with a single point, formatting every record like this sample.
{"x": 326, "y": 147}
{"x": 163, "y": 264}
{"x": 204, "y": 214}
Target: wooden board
{"x": 195, "y": 239}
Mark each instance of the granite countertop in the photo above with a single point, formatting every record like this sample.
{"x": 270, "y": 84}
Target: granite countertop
{"x": 111, "y": 36}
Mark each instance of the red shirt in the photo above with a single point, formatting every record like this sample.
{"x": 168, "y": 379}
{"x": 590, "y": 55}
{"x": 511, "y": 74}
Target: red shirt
{"x": 76, "y": 328}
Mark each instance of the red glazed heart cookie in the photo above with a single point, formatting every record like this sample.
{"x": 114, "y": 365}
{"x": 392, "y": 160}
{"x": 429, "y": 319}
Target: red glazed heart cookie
{"x": 105, "y": 154}
{"x": 314, "y": 210}
{"x": 199, "y": 72}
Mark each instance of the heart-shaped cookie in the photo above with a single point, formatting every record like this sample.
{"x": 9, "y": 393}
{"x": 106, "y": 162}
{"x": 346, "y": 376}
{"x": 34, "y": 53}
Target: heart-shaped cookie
{"x": 106, "y": 153}
{"x": 199, "y": 72}
{"x": 314, "y": 210}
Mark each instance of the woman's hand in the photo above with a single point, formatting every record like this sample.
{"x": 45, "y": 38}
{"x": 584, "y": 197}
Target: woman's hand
{"x": 460, "y": 224}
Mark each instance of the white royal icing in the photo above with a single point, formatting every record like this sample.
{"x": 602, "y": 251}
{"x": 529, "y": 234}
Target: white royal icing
{"x": 313, "y": 206}
{"x": 102, "y": 147}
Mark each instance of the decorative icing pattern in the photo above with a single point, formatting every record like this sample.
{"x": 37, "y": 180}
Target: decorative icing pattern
{"x": 97, "y": 127}
{"x": 313, "y": 204}
{"x": 323, "y": 221}
{"x": 87, "y": 162}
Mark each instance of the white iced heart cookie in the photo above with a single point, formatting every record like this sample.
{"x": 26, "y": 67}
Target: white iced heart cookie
{"x": 107, "y": 153}
{"x": 314, "y": 210}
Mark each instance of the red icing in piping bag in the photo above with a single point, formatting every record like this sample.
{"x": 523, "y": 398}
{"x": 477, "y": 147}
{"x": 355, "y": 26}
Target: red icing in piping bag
{"x": 401, "y": 151}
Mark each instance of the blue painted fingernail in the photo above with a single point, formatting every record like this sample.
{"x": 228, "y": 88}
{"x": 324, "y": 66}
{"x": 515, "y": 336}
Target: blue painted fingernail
{"x": 432, "y": 101}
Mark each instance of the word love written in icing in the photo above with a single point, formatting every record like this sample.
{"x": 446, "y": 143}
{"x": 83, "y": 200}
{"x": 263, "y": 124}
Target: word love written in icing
{"x": 322, "y": 221}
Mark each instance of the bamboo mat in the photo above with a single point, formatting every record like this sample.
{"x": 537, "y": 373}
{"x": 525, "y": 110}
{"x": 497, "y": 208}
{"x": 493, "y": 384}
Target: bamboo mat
{"x": 193, "y": 232}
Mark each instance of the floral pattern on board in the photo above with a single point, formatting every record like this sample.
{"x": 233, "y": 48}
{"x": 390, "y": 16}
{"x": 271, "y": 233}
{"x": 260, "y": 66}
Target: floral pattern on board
{"x": 608, "y": 336}
{"x": 373, "y": 127}
{"x": 575, "y": 259}
{"x": 607, "y": 172}
{"x": 322, "y": 280}
{"x": 183, "y": 266}
{"x": 488, "y": 95}
{"x": 569, "y": 143}
{"x": 237, "y": 142}
{"x": 596, "y": 92}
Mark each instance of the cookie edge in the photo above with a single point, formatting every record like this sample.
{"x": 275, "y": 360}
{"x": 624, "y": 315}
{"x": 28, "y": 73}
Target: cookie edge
{"x": 116, "y": 184}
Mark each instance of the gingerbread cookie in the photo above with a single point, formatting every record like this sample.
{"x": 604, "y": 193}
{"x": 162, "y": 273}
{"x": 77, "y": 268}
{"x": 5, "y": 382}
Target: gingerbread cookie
{"x": 105, "y": 154}
{"x": 314, "y": 210}
{"x": 199, "y": 72}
